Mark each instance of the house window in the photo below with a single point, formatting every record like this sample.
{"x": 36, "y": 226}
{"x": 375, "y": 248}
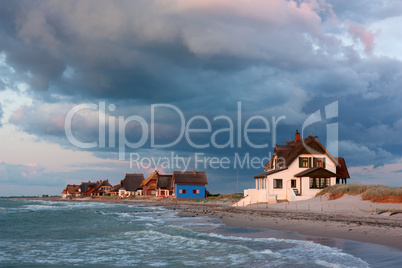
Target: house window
{"x": 303, "y": 162}
{"x": 319, "y": 162}
{"x": 183, "y": 191}
{"x": 180, "y": 191}
{"x": 194, "y": 191}
{"x": 319, "y": 183}
{"x": 277, "y": 183}
{"x": 293, "y": 183}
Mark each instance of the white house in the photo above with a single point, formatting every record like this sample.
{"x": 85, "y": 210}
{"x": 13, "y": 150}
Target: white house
{"x": 296, "y": 171}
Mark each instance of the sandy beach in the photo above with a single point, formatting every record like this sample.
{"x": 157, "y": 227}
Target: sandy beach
{"x": 347, "y": 218}
{"x": 358, "y": 226}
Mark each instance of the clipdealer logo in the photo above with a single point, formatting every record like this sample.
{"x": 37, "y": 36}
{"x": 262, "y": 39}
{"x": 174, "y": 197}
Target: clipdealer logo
{"x": 237, "y": 131}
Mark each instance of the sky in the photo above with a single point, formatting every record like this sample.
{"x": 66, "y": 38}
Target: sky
{"x": 92, "y": 90}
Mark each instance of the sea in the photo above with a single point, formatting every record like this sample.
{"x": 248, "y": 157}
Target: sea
{"x": 38, "y": 233}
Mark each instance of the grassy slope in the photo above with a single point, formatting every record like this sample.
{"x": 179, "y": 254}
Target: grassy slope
{"x": 375, "y": 193}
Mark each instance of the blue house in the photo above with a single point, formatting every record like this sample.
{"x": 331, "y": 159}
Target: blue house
{"x": 189, "y": 184}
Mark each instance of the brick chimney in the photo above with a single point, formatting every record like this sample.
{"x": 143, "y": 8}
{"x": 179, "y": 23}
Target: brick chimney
{"x": 297, "y": 135}
{"x": 194, "y": 171}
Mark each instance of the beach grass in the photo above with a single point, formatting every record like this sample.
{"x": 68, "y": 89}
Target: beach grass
{"x": 374, "y": 193}
{"x": 230, "y": 197}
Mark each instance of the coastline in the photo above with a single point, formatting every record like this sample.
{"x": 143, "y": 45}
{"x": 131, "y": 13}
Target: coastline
{"x": 374, "y": 229}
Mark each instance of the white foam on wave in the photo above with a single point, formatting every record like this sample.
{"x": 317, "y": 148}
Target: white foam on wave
{"x": 303, "y": 249}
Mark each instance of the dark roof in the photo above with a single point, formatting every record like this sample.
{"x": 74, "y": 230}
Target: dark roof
{"x": 190, "y": 177}
{"x": 286, "y": 154}
{"x": 317, "y": 172}
{"x": 164, "y": 181}
{"x": 71, "y": 189}
{"x": 106, "y": 183}
{"x": 265, "y": 174}
{"x": 132, "y": 182}
{"x": 84, "y": 187}
{"x": 91, "y": 187}
{"x": 116, "y": 188}
{"x": 342, "y": 169}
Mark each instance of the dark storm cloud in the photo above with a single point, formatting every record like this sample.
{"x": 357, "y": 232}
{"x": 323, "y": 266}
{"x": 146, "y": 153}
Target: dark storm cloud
{"x": 136, "y": 57}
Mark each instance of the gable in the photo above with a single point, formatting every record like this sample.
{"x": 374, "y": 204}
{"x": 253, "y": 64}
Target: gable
{"x": 286, "y": 154}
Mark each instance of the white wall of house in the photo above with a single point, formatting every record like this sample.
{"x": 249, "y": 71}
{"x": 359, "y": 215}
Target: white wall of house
{"x": 139, "y": 192}
{"x": 266, "y": 192}
{"x": 123, "y": 192}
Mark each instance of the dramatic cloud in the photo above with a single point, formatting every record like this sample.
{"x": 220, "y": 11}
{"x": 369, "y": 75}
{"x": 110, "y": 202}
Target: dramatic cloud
{"x": 278, "y": 58}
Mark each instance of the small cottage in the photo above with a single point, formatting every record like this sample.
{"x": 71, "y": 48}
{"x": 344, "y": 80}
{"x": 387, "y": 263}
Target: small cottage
{"x": 131, "y": 184}
{"x": 164, "y": 185}
{"x": 149, "y": 185}
{"x": 189, "y": 184}
{"x": 71, "y": 191}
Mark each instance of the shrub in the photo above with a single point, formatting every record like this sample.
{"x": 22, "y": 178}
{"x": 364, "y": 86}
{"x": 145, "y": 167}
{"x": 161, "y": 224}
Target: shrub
{"x": 375, "y": 193}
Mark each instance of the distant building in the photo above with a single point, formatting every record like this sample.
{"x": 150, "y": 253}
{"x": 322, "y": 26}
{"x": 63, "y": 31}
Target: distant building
{"x": 297, "y": 171}
{"x": 99, "y": 188}
{"x": 115, "y": 190}
{"x": 189, "y": 184}
{"x": 104, "y": 188}
{"x": 149, "y": 185}
{"x": 164, "y": 185}
{"x": 71, "y": 191}
{"x": 131, "y": 184}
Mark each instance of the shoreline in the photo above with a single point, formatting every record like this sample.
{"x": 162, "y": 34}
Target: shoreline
{"x": 375, "y": 229}
{"x": 358, "y": 229}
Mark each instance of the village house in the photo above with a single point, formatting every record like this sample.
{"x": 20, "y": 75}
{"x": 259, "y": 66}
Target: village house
{"x": 115, "y": 190}
{"x": 164, "y": 185}
{"x": 104, "y": 188}
{"x": 131, "y": 185}
{"x": 71, "y": 191}
{"x": 189, "y": 184}
{"x": 296, "y": 171}
{"x": 149, "y": 185}
{"x": 99, "y": 188}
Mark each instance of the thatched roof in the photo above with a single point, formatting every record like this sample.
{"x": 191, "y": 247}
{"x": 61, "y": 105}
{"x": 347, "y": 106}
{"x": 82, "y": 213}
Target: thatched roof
{"x": 190, "y": 177}
{"x": 71, "y": 189}
{"x": 164, "y": 182}
{"x": 286, "y": 154}
{"x": 153, "y": 176}
{"x": 132, "y": 182}
{"x": 116, "y": 188}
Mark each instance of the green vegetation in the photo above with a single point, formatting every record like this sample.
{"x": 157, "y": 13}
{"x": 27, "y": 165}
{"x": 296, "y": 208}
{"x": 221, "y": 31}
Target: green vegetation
{"x": 208, "y": 194}
{"x": 375, "y": 193}
{"x": 229, "y": 197}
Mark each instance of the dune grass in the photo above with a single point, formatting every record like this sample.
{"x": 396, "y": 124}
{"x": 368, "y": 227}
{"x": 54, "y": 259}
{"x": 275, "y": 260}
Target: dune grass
{"x": 374, "y": 193}
{"x": 230, "y": 197}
